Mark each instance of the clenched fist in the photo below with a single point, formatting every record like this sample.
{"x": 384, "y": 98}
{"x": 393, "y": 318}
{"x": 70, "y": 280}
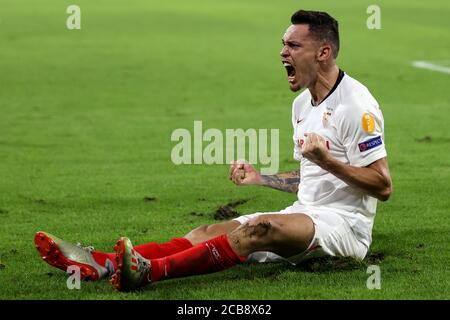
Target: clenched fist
{"x": 243, "y": 173}
{"x": 315, "y": 148}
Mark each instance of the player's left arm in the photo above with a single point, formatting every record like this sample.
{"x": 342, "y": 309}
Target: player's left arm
{"x": 373, "y": 179}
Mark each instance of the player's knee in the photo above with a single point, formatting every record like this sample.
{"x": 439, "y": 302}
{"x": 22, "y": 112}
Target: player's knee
{"x": 255, "y": 235}
{"x": 198, "y": 233}
{"x": 259, "y": 231}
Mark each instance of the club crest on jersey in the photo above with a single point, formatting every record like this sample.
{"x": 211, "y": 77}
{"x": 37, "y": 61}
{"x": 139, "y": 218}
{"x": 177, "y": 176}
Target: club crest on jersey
{"x": 368, "y": 122}
{"x": 370, "y": 144}
{"x": 325, "y": 118}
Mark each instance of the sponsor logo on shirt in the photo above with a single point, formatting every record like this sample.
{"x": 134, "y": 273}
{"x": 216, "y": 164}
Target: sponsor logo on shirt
{"x": 370, "y": 144}
{"x": 368, "y": 122}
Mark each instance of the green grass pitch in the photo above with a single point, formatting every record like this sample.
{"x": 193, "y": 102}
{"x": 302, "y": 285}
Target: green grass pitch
{"x": 86, "y": 117}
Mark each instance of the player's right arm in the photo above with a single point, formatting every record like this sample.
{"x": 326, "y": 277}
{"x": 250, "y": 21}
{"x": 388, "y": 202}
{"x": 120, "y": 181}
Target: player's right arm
{"x": 243, "y": 173}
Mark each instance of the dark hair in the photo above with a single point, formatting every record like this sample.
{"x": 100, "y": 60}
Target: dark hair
{"x": 322, "y": 27}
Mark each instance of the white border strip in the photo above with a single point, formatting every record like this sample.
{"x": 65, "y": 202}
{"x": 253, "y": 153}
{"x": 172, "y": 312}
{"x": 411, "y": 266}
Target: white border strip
{"x": 431, "y": 66}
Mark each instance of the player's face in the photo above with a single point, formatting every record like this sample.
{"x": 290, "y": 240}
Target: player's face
{"x": 299, "y": 56}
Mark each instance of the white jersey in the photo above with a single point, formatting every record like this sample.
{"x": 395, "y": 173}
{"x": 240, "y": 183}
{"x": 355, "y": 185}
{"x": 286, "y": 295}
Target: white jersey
{"x": 351, "y": 122}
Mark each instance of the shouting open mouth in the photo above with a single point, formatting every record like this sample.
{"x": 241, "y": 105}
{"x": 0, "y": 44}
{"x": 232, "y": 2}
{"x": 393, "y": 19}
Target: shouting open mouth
{"x": 290, "y": 71}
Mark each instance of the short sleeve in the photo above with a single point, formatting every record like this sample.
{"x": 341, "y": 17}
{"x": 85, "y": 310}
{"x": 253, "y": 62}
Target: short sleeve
{"x": 362, "y": 134}
{"x": 297, "y": 150}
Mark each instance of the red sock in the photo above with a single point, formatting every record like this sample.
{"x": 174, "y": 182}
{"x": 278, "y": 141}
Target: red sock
{"x": 151, "y": 250}
{"x": 209, "y": 256}
{"x": 102, "y": 257}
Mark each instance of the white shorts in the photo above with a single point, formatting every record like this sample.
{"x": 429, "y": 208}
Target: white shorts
{"x": 333, "y": 237}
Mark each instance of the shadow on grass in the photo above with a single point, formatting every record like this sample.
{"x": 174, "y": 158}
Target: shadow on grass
{"x": 339, "y": 264}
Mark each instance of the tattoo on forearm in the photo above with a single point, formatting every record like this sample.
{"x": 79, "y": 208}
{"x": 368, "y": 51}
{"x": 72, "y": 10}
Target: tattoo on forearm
{"x": 287, "y": 182}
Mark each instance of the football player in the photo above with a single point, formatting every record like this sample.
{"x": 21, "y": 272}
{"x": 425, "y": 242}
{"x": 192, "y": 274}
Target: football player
{"x": 338, "y": 135}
